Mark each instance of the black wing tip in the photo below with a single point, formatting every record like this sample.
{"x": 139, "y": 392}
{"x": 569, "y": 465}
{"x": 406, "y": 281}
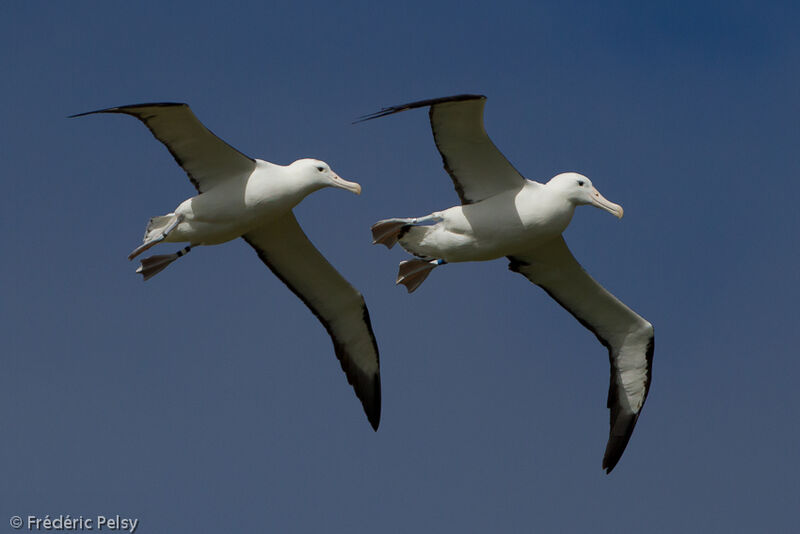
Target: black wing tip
{"x": 418, "y": 104}
{"x": 373, "y": 407}
{"x": 618, "y": 441}
{"x": 368, "y": 390}
{"x": 614, "y": 452}
{"x": 126, "y": 109}
{"x": 370, "y": 397}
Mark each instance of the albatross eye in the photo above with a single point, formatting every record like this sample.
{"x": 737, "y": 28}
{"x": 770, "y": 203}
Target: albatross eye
{"x": 580, "y": 183}
{"x": 320, "y": 169}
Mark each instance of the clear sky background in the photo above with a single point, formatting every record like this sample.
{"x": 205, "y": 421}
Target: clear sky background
{"x": 209, "y": 399}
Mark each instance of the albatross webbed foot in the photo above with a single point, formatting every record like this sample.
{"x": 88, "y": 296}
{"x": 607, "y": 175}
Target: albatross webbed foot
{"x": 152, "y": 265}
{"x": 413, "y": 272}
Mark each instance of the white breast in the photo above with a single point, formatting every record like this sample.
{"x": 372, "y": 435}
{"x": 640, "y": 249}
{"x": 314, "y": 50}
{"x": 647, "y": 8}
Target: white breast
{"x": 238, "y": 205}
{"x": 499, "y": 226}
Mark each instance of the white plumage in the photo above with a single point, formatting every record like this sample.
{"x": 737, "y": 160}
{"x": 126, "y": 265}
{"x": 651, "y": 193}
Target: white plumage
{"x": 250, "y": 198}
{"x": 503, "y": 214}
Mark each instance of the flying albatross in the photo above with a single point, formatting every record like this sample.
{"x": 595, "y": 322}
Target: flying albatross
{"x": 253, "y": 199}
{"x": 503, "y": 214}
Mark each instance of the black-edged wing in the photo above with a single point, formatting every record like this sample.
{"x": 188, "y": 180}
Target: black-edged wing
{"x": 207, "y": 159}
{"x": 284, "y": 248}
{"x": 628, "y": 336}
{"x": 478, "y": 169}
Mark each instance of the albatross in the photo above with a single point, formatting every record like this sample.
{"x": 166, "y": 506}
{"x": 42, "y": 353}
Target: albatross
{"x": 239, "y": 196}
{"x": 502, "y": 214}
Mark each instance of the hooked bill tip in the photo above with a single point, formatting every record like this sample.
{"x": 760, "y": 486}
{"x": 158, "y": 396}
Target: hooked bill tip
{"x": 340, "y": 182}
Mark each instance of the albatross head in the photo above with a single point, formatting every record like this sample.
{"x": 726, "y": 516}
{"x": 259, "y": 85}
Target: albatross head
{"x": 320, "y": 175}
{"x": 579, "y": 190}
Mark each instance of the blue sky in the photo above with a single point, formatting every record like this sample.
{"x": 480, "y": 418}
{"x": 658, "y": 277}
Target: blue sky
{"x": 208, "y": 399}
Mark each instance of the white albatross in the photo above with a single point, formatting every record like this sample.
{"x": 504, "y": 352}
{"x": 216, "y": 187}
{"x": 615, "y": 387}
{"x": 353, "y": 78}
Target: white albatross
{"x": 253, "y": 199}
{"x": 503, "y": 214}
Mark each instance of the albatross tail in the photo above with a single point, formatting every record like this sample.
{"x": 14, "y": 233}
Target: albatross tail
{"x": 389, "y": 231}
{"x": 157, "y": 230}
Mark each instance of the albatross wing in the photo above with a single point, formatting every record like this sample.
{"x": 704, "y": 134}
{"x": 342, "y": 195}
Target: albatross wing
{"x": 284, "y": 248}
{"x": 478, "y": 169}
{"x": 207, "y": 159}
{"x": 628, "y": 336}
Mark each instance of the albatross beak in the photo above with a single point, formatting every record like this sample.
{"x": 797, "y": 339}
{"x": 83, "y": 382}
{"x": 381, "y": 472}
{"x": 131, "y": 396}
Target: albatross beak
{"x": 344, "y": 184}
{"x": 601, "y": 202}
